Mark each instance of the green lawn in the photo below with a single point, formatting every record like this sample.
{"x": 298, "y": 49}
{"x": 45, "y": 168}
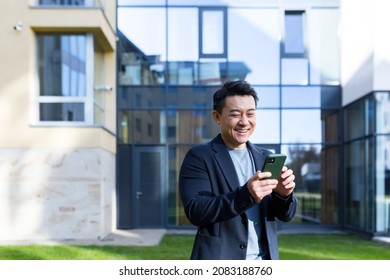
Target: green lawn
{"x": 178, "y": 247}
{"x": 331, "y": 247}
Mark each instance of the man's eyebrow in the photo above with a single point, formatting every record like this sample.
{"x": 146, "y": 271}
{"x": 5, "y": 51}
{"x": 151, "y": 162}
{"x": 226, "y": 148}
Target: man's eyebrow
{"x": 239, "y": 111}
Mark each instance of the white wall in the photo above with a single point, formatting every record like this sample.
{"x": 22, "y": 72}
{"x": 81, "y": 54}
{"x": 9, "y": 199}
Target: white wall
{"x": 381, "y": 23}
{"x": 356, "y": 49}
{"x": 365, "y": 45}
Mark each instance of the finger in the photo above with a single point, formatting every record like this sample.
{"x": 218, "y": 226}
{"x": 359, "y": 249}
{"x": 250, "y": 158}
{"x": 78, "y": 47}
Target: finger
{"x": 288, "y": 179}
{"x": 286, "y": 173}
{"x": 260, "y": 193}
{"x": 263, "y": 175}
{"x": 290, "y": 185}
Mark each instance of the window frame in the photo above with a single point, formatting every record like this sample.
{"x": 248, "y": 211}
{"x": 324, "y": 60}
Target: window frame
{"x": 87, "y": 100}
{"x": 202, "y": 54}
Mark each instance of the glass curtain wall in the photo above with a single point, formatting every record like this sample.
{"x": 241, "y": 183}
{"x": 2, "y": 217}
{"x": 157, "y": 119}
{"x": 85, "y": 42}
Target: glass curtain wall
{"x": 173, "y": 57}
{"x": 367, "y": 192}
{"x": 382, "y": 162}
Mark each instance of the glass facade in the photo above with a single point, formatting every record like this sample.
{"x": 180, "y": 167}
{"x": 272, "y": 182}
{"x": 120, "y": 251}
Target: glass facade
{"x": 169, "y": 68}
{"x": 367, "y": 164}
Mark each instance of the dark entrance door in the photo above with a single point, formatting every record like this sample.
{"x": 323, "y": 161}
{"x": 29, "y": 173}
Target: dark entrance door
{"x": 149, "y": 187}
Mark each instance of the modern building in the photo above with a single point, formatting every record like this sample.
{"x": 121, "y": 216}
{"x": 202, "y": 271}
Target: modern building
{"x": 321, "y": 69}
{"x": 101, "y": 99}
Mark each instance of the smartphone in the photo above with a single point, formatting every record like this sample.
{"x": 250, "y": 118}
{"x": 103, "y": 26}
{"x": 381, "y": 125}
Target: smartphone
{"x": 274, "y": 164}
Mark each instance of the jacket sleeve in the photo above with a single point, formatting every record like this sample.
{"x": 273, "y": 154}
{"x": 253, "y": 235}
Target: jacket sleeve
{"x": 284, "y": 208}
{"x": 204, "y": 193}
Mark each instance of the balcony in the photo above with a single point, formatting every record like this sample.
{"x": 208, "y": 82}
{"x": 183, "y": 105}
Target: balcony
{"x": 70, "y": 3}
{"x": 87, "y": 16}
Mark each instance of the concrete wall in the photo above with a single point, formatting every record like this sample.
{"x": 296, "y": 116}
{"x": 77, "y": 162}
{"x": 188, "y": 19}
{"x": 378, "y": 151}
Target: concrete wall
{"x": 52, "y": 193}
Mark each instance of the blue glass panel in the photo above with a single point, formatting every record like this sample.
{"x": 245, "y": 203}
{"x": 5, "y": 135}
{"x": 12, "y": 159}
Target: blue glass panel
{"x": 301, "y": 97}
{"x": 295, "y": 71}
{"x": 293, "y": 34}
{"x": 301, "y": 126}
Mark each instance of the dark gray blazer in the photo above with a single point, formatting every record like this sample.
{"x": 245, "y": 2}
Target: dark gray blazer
{"x": 215, "y": 203}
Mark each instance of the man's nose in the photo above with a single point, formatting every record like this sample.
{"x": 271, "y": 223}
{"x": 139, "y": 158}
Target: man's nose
{"x": 244, "y": 120}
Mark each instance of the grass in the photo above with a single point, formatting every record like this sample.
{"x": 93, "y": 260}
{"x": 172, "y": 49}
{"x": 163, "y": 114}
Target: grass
{"x": 178, "y": 247}
{"x": 331, "y": 247}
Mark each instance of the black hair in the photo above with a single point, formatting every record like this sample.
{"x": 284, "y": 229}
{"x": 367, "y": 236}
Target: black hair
{"x": 232, "y": 88}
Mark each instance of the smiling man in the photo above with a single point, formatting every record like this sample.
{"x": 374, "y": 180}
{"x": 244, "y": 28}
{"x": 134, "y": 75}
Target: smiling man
{"x": 233, "y": 204}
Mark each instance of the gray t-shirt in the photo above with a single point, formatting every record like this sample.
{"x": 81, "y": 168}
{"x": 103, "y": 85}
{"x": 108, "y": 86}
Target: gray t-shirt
{"x": 245, "y": 168}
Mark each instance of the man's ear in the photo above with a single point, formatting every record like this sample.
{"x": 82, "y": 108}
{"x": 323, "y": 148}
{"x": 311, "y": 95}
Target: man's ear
{"x": 216, "y": 117}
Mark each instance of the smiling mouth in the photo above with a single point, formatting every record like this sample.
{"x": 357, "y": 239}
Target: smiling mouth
{"x": 242, "y": 130}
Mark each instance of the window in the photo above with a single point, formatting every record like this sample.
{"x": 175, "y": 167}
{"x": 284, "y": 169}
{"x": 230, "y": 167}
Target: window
{"x": 138, "y": 125}
{"x": 65, "y": 64}
{"x": 301, "y": 126}
{"x": 294, "y": 64}
{"x": 294, "y": 39}
{"x": 256, "y": 56}
{"x": 213, "y": 33}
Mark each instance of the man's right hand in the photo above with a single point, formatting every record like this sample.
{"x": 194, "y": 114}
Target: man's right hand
{"x": 259, "y": 186}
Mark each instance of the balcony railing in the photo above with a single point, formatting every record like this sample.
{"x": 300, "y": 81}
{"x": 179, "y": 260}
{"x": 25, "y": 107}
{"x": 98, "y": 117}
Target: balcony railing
{"x": 71, "y": 3}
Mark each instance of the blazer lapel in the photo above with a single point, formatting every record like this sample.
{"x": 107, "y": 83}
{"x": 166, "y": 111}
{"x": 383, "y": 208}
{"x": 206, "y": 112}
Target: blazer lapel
{"x": 258, "y": 156}
{"x": 222, "y": 156}
{"x": 225, "y": 163}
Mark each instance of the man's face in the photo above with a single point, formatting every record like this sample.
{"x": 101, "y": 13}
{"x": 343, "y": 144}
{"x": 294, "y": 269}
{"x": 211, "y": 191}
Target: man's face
{"x": 237, "y": 120}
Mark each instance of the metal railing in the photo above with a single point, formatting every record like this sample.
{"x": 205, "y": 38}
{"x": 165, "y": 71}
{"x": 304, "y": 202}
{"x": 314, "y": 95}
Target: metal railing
{"x": 310, "y": 208}
{"x": 70, "y": 3}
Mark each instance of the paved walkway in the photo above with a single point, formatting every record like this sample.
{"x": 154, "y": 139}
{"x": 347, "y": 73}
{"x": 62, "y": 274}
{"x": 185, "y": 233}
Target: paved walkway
{"x": 152, "y": 237}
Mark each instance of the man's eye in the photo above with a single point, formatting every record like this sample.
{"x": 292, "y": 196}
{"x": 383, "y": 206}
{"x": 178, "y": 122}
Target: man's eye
{"x": 235, "y": 115}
